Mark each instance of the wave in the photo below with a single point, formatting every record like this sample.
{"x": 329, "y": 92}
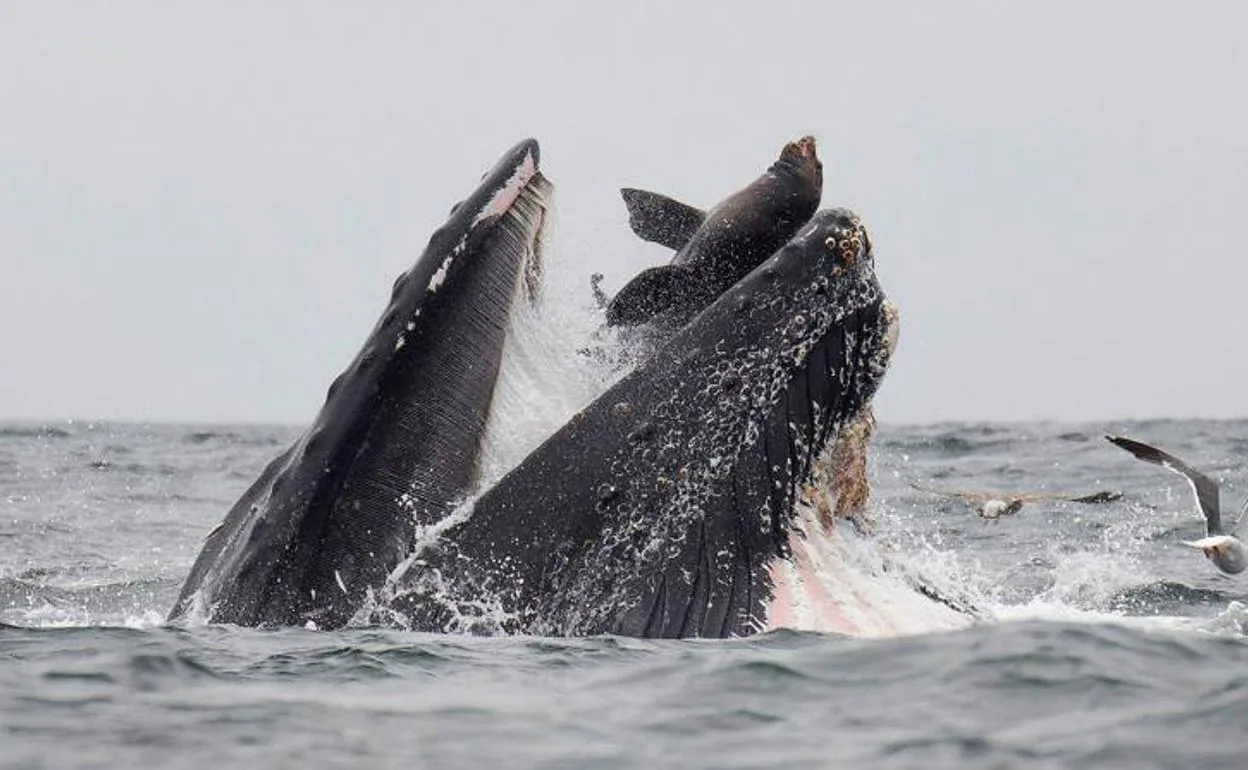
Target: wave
{"x": 1014, "y": 694}
{"x": 40, "y": 597}
{"x": 34, "y": 431}
{"x": 259, "y": 436}
{"x": 1168, "y": 597}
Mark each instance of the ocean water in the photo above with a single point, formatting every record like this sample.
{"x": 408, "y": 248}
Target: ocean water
{"x": 1101, "y": 641}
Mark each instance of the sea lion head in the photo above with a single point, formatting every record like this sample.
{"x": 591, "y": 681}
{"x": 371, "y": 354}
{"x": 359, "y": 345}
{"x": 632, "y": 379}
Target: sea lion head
{"x": 800, "y": 156}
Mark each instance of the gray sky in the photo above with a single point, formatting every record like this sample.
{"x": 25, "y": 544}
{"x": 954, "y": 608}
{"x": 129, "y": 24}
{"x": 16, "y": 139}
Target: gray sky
{"x": 203, "y": 205}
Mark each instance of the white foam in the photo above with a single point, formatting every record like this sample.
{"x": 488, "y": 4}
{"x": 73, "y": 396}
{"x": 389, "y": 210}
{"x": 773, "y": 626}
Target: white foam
{"x": 1086, "y": 583}
{"x": 49, "y": 616}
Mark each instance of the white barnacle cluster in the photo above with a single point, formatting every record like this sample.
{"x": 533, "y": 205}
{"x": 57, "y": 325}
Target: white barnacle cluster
{"x": 849, "y": 241}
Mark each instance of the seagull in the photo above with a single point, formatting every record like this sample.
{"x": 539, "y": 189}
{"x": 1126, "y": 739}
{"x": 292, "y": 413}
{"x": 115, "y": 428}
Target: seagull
{"x": 994, "y": 505}
{"x": 1224, "y": 550}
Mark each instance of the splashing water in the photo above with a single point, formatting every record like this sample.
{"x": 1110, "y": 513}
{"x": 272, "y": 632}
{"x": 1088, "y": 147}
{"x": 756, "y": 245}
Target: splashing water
{"x": 547, "y": 374}
{"x": 1055, "y": 561}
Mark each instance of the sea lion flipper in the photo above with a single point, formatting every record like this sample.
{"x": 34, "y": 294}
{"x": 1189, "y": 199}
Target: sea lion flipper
{"x": 651, "y": 291}
{"x": 660, "y": 219}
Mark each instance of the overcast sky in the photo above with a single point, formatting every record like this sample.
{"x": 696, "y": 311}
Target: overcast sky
{"x": 203, "y": 205}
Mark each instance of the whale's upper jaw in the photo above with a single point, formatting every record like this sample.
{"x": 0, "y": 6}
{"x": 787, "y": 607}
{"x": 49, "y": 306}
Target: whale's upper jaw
{"x": 814, "y": 336}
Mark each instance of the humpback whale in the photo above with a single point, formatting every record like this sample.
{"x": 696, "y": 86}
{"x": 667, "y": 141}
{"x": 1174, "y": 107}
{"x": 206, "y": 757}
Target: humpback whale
{"x": 396, "y": 442}
{"x": 716, "y": 248}
{"x": 666, "y": 507}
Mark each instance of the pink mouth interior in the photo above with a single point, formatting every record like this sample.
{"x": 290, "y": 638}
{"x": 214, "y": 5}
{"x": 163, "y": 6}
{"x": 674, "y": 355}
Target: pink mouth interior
{"x": 507, "y": 194}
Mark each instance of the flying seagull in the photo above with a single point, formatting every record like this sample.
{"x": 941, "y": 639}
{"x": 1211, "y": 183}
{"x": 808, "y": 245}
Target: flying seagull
{"x": 1224, "y": 550}
{"x": 994, "y": 505}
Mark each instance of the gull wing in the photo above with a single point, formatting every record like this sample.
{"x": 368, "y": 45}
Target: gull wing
{"x": 970, "y": 497}
{"x": 1101, "y": 496}
{"x": 1237, "y": 527}
{"x": 1205, "y": 488}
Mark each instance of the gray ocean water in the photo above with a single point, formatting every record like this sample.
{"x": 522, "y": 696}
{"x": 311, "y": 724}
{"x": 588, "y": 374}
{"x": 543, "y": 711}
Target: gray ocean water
{"x": 1103, "y": 643}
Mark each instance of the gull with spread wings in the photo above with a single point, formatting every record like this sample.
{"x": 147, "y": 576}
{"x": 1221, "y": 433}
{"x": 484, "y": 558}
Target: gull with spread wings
{"x": 994, "y": 505}
{"x": 1224, "y": 550}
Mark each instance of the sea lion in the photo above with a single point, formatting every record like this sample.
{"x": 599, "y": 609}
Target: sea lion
{"x": 716, "y": 248}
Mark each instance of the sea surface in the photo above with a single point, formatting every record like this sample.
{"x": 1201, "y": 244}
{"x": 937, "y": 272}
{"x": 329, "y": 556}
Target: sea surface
{"x": 1102, "y": 642}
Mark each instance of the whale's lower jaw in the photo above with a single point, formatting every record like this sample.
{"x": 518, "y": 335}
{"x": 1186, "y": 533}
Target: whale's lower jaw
{"x": 836, "y": 580}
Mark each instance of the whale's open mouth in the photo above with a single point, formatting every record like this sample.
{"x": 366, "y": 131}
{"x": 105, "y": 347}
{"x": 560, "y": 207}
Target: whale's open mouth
{"x": 661, "y": 509}
{"x": 657, "y": 510}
